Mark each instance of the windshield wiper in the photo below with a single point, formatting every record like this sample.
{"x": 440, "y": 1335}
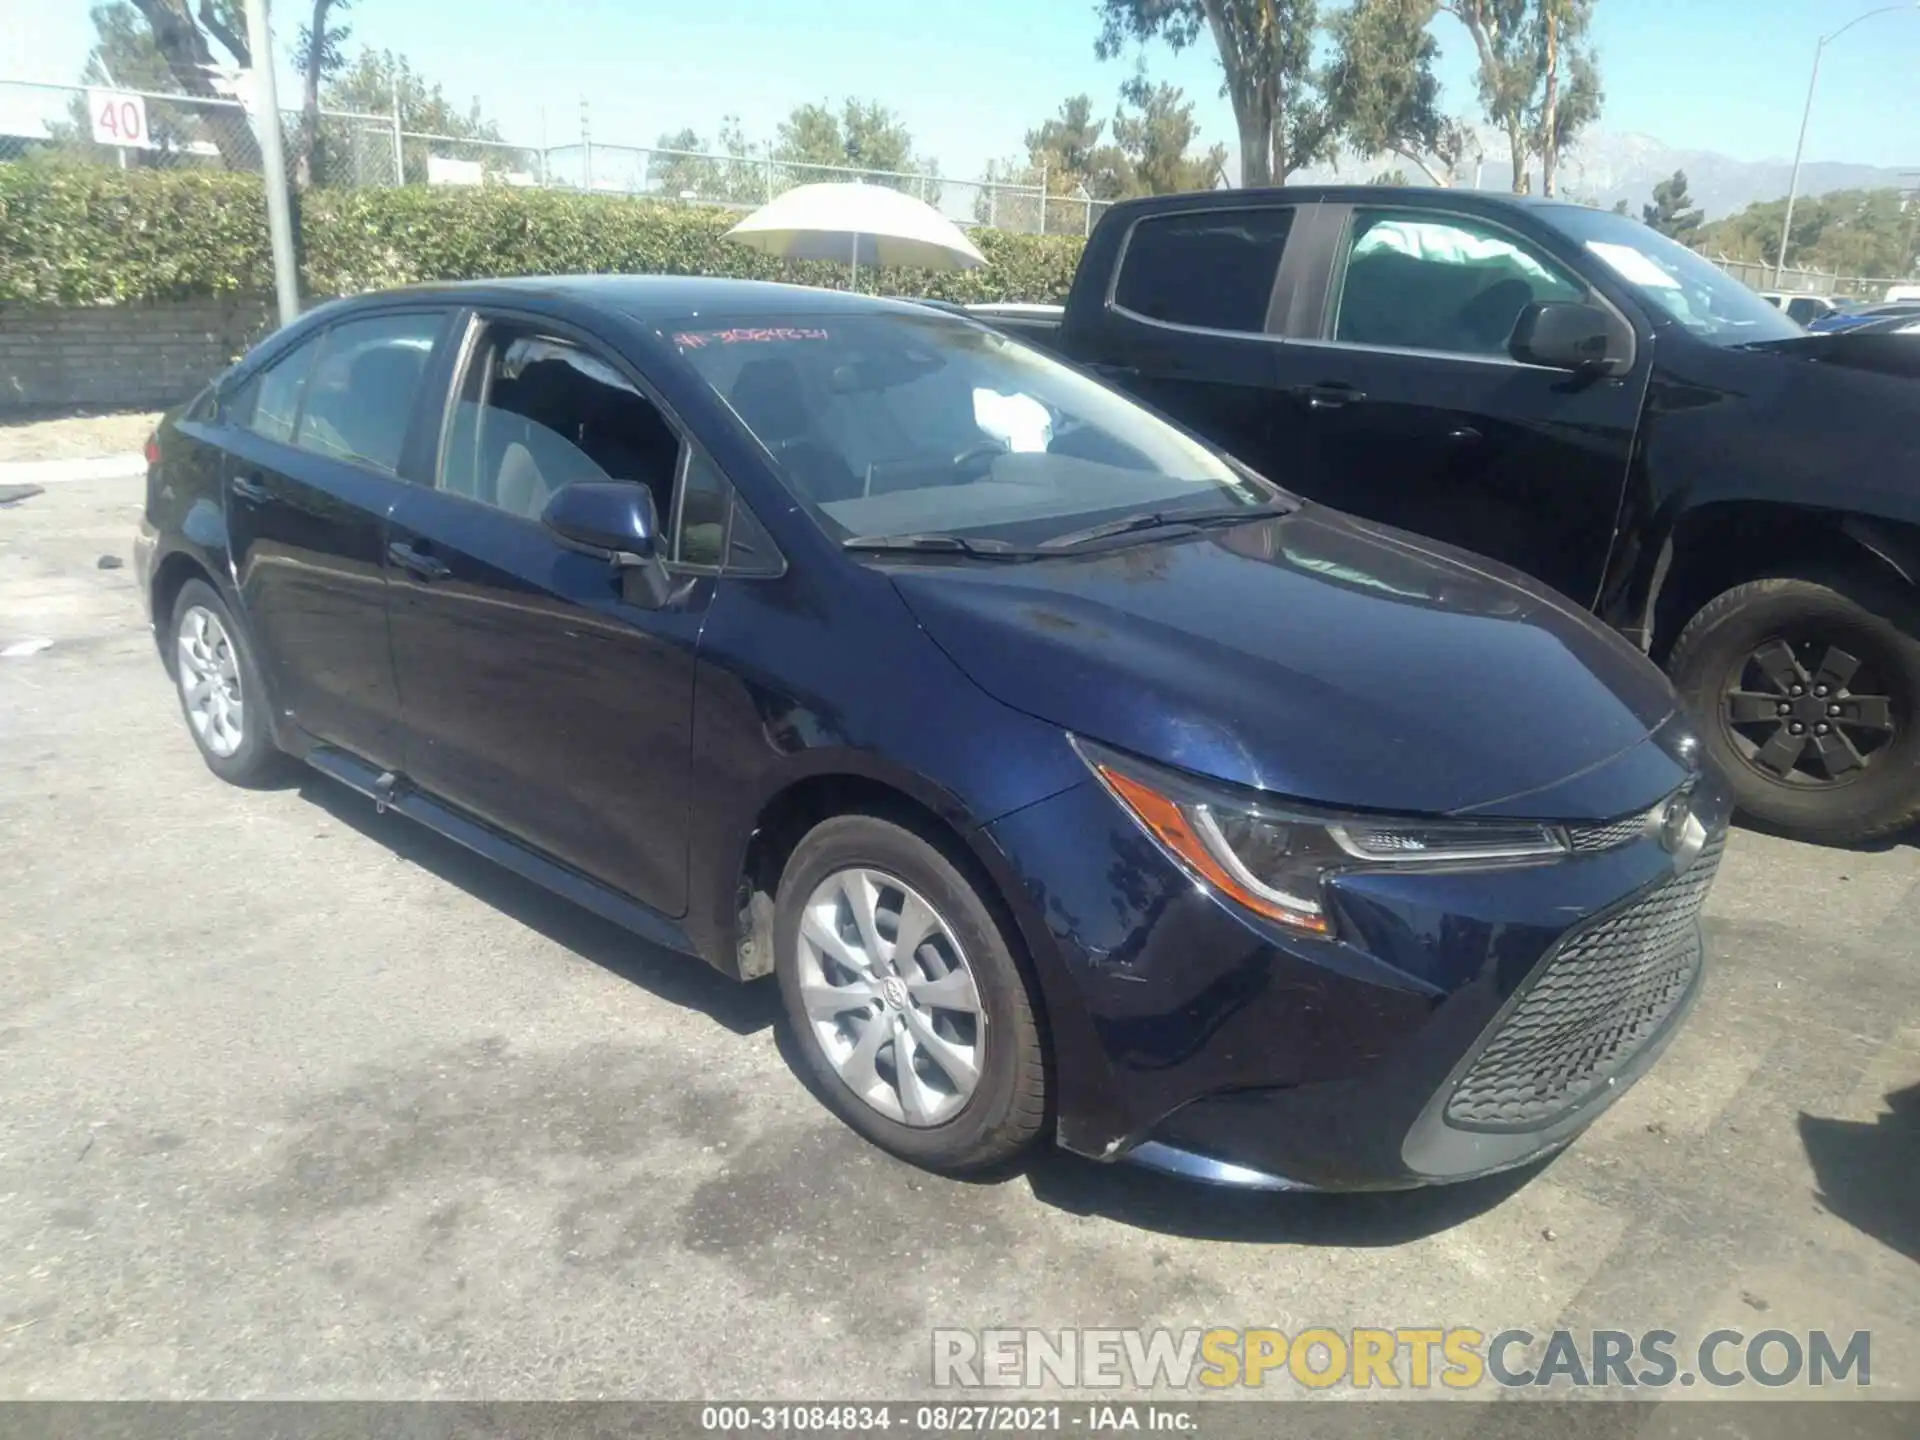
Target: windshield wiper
{"x": 932, "y": 541}
{"x": 1160, "y": 519}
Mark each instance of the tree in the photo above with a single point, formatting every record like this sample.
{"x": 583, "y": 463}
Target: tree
{"x": 1846, "y": 232}
{"x": 1507, "y": 71}
{"x": 699, "y": 170}
{"x": 184, "y": 44}
{"x": 1067, "y": 149}
{"x": 685, "y": 174}
{"x": 1536, "y": 75}
{"x": 378, "y": 81}
{"x": 1382, "y": 91}
{"x": 1620, "y": 208}
{"x": 127, "y": 54}
{"x": 1155, "y": 139}
{"x": 1669, "y": 213}
{"x": 861, "y": 135}
{"x": 1266, "y": 56}
{"x": 320, "y": 54}
{"x": 1570, "y": 82}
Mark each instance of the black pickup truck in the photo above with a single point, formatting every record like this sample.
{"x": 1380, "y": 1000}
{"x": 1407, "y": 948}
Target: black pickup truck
{"x": 1564, "y": 390}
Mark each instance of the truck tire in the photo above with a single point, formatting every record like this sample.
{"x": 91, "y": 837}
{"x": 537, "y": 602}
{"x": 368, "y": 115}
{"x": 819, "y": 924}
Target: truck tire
{"x": 1806, "y": 688}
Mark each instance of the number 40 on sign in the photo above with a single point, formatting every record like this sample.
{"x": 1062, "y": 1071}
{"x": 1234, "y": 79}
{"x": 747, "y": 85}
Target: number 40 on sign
{"x": 119, "y": 118}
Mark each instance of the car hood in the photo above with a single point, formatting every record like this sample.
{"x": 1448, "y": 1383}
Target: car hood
{"x": 1317, "y": 657}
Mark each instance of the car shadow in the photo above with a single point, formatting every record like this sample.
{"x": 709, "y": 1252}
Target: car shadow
{"x": 1869, "y": 1174}
{"x": 681, "y": 979}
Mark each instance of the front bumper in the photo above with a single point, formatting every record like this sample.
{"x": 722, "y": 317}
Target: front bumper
{"x": 1193, "y": 1038}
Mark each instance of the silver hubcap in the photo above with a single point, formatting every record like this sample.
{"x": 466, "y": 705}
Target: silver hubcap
{"x": 890, "y": 996}
{"x": 209, "y": 676}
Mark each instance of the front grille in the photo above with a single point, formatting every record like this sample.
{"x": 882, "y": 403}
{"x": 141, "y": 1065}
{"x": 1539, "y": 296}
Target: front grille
{"x": 1589, "y": 838}
{"x": 1593, "y": 1003}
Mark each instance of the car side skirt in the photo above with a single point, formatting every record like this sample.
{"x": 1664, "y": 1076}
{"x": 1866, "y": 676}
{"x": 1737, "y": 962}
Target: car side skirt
{"x": 391, "y": 793}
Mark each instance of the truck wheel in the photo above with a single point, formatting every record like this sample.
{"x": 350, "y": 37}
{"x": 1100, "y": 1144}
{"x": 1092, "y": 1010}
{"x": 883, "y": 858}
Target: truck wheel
{"x": 905, "y": 997}
{"x": 1806, "y": 689}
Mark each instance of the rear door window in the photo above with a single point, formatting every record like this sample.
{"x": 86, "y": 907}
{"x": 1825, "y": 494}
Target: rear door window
{"x": 359, "y": 400}
{"x": 1212, "y": 269}
{"x": 1415, "y": 280}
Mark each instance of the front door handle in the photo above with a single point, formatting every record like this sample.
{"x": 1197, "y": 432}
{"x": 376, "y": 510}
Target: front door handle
{"x": 416, "y": 562}
{"x": 1330, "y": 396}
{"x": 250, "y": 489}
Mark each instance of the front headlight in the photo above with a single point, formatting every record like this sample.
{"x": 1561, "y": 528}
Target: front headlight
{"x": 1275, "y": 861}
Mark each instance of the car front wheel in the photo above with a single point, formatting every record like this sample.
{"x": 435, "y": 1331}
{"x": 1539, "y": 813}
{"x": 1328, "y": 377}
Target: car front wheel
{"x": 909, "y": 1007}
{"x": 220, "y": 691}
{"x": 1806, "y": 689}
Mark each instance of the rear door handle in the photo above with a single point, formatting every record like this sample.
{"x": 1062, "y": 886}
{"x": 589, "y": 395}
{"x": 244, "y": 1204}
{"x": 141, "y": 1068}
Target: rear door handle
{"x": 1330, "y": 396}
{"x": 1116, "y": 372}
{"x": 249, "y": 488}
{"x": 416, "y": 562}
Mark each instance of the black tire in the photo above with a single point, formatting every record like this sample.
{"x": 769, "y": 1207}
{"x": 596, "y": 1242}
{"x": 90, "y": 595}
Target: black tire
{"x": 254, "y": 761}
{"x": 1719, "y": 656}
{"x": 1008, "y": 1106}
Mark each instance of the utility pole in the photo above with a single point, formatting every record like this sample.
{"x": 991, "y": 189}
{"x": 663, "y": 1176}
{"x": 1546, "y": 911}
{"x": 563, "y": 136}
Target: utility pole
{"x": 399, "y": 150}
{"x": 273, "y": 163}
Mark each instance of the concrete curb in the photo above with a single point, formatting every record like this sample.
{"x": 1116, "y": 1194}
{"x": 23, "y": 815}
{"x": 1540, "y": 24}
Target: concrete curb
{"x": 57, "y": 472}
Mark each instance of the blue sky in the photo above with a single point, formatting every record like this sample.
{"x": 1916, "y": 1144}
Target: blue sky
{"x": 969, "y": 76}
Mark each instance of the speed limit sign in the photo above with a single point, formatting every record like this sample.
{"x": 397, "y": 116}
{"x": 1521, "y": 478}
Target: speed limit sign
{"x": 119, "y": 118}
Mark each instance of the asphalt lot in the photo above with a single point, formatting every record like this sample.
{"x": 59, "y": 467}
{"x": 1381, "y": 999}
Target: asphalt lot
{"x": 301, "y": 1101}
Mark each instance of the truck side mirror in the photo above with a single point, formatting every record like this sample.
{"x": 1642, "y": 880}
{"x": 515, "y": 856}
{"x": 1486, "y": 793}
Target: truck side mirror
{"x": 1572, "y": 335}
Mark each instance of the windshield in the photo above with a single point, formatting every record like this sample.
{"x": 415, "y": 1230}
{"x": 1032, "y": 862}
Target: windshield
{"x": 1675, "y": 282}
{"x": 893, "y": 424}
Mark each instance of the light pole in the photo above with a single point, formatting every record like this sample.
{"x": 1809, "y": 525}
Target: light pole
{"x": 1793, "y": 186}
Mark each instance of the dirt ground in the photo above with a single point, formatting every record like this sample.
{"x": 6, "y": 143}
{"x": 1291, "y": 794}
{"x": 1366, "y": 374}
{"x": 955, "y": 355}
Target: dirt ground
{"x": 75, "y": 437}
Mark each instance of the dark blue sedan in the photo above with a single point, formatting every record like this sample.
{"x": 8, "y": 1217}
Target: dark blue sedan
{"x": 1075, "y": 781}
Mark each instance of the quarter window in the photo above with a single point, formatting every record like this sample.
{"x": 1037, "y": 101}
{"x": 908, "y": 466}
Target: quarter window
{"x": 1417, "y": 281}
{"x": 359, "y": 400}
{"x": 1212, "y": 269}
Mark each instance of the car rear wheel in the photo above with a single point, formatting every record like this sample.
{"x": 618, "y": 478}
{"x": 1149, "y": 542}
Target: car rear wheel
{"x": 909, "y": 1007}
{"x": 220, "y": 691}
{"x": 1807, "y": 690}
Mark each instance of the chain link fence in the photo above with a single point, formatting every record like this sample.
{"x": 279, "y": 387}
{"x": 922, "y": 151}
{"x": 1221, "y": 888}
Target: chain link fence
{"x": 68, "y": 124}
{"x": 1759, "y": 275}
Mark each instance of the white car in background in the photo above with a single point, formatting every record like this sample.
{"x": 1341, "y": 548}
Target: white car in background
{"x": 1804, "y": 308}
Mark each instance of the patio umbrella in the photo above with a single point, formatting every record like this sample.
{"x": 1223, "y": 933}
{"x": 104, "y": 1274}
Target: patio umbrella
{"x": 861, "y": 224}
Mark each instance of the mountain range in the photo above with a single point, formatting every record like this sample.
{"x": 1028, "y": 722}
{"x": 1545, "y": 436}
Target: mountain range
{"x": 1604, "y": 168}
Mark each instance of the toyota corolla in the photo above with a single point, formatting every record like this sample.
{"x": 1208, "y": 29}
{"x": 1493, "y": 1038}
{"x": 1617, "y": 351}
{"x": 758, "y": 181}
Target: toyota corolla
{"x": 1076, "y": 782}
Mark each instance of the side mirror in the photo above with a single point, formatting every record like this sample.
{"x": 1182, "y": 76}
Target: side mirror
{"x": 615, "y": 521}
{"x": 1572, "y": 335}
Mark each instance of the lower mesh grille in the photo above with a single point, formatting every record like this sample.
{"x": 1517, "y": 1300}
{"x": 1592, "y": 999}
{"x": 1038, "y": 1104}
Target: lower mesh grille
{"x": 1588, "y": 1010}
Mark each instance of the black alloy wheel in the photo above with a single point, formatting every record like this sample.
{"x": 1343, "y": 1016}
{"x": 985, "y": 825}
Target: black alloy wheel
{"x": 1804, "y": 711}
{"x": 1806, "y": 689}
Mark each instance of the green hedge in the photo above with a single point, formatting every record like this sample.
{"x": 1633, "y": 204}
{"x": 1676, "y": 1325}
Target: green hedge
{"x": 82, "y": 235}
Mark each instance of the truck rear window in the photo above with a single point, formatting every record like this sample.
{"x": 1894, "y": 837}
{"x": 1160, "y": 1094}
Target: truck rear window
{"x": 1213, "y": 269}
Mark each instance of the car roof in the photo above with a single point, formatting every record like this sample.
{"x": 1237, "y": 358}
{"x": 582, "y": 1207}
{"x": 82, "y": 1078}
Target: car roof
{"x": 656, "y": 297}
